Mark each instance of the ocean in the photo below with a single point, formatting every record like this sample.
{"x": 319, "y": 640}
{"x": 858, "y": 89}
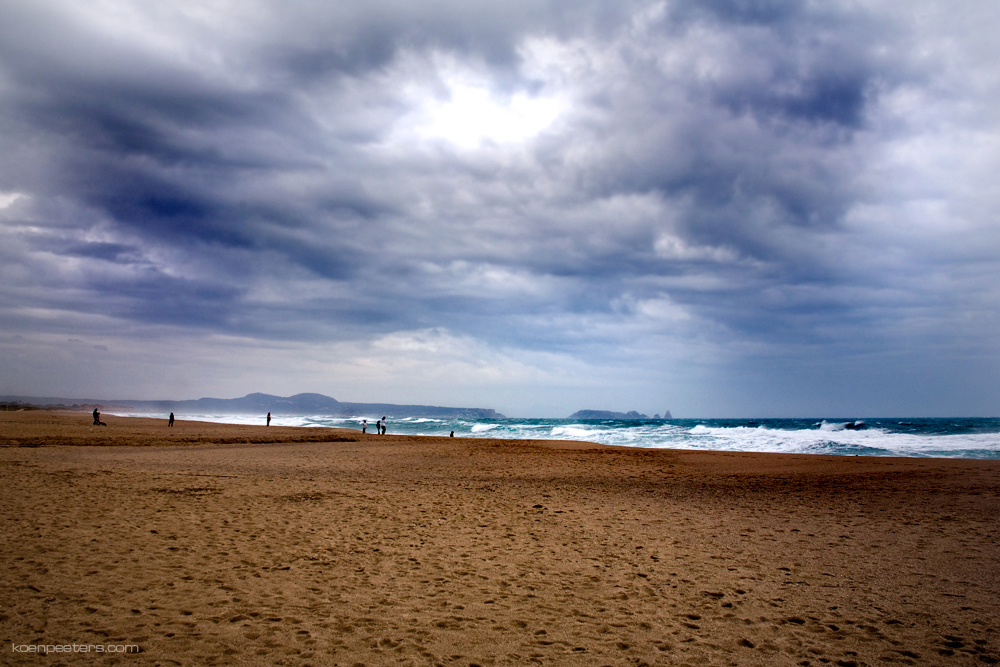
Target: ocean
{"x": 948, "y": 438}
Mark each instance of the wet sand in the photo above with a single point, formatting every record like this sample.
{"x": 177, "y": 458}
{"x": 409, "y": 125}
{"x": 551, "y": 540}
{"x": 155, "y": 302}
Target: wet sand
{"x": 211, "y": 544}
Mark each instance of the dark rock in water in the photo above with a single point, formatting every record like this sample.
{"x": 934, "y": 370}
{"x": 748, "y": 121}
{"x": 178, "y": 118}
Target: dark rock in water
{"x": 667, "y": 415}
{"x": 855, "y": 426}
{"x": 606, "y": 414}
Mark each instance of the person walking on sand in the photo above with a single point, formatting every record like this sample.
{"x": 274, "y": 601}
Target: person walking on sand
{"x": 268, "y": 418}
{"x": 171, "y": 422}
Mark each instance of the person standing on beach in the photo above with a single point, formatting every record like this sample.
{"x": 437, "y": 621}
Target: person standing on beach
{"x": 268, "y": 418}
{"x": 383, "y": 424}
{"x": 97, "y": 417}
{"x": 364, "y": 425}
{"x": 171, "y": 422}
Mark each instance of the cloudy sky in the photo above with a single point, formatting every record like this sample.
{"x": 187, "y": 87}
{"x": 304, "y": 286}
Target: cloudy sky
{"x": 718, "y": 207}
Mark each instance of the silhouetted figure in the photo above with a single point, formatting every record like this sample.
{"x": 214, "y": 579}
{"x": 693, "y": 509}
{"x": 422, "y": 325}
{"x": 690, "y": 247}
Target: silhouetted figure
{"x": 452, "y": 434}
{"x": 97, "y": 417}
{"x": 171, "y": 422}
{"x": 268, "y": 418}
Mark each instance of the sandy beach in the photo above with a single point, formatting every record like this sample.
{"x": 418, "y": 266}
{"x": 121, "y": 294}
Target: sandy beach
{"x": 208, "y": 544}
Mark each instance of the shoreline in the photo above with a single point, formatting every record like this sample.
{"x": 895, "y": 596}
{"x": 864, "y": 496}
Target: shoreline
{"x": 309, "y": 546}
{"x": 49, "y": 428}
{"x": 38, "y": 427}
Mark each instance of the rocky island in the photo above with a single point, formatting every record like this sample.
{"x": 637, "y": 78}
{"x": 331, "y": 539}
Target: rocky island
{"x": 608, "y": 414}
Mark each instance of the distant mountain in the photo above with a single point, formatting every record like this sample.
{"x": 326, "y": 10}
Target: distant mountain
{"x": 260, "y": 403}
{"x": 300, "y": 404}
{"x": 606, "y": 414}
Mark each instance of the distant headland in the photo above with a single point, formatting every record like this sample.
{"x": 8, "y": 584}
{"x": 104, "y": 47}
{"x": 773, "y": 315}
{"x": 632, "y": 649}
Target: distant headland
{"x": 608, "y": 414}
{"x": 300, "y": 404}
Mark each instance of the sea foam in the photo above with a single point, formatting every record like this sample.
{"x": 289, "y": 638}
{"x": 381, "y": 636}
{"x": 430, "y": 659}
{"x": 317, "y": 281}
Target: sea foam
{"x": 960, "y": 438}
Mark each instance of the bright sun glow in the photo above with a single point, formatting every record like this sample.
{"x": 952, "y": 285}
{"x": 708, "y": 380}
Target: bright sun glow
{"x": 471, "y": 115}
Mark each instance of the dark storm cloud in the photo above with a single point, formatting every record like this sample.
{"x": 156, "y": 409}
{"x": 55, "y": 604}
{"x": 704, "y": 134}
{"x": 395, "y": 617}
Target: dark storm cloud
{"x": 310, "y": 42}
{"x": 109, "y": 252}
